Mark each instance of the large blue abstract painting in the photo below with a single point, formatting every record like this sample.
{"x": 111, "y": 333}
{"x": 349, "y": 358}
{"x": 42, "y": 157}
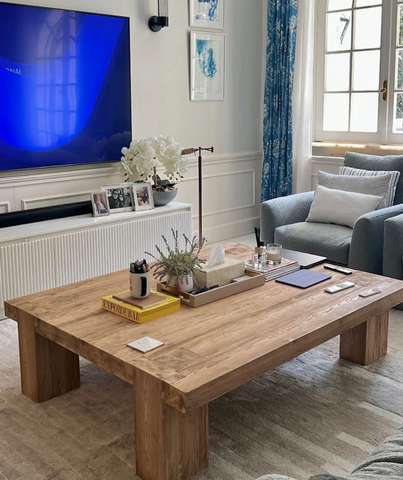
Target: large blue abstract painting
{"x": 65, "y": 90}
{"x": 207, "y": 60}
{"x": 207, "y": 13}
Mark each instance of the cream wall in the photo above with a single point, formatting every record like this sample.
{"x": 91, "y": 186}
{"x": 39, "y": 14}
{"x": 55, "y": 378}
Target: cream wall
{"x": 160, "y": 81}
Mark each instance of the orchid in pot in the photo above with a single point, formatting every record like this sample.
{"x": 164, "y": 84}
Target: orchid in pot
{"x": 178, "y": 266}
{"x": 145, "y": 156}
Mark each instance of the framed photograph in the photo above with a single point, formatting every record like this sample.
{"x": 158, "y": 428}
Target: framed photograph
{"x": 100, "y": 205}
{"x": 120, "y": 197}
{"x": 206, "y": 13}
{"x": 143, "y": 196}
{"x": 207, "y": 63}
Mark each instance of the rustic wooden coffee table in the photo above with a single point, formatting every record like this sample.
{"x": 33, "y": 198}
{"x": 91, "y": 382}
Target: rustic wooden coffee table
{"x": 208, "y": 351}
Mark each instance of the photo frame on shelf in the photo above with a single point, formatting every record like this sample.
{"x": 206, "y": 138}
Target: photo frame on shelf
{"x": 206, "y": 14}
{"x": 207, "y": 64}
{"x": 143, "y": 196}
{"x": 100, "y": 204}
{"x": 120, "y": 197}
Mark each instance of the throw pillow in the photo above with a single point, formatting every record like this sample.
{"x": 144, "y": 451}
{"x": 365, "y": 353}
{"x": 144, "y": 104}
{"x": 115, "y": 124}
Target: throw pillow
{"x": 341, "y": 208}
{"x": 370, "y": 185}
{"x": 390, "y": 163}
{"x": 375, "y": 173}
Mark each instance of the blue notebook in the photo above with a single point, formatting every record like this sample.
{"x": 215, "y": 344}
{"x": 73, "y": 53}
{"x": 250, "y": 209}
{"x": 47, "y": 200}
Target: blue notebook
{"x": 304, "y": 278}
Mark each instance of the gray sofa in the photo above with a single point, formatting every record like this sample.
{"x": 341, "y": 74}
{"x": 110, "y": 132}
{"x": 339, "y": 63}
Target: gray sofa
{"x": 282, "y": 220}
{"x": 393, "y": 248}
{"x": 384, "y": 463}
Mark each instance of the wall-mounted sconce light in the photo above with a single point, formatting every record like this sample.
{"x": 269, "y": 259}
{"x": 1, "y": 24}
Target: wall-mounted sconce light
{"x": 156, "y": 23}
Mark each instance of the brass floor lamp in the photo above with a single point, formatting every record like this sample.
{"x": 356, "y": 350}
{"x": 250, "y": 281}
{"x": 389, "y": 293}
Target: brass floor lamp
{"x": 200, "y": 183}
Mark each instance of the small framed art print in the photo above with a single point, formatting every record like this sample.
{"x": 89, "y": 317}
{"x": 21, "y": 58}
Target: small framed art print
{"x": 143, "y": 196}
{"x": 120, "y": 197}
{"x": 100, "y": 204}
{"x": 207, "y": 63}
{"x": 206, "y": 13}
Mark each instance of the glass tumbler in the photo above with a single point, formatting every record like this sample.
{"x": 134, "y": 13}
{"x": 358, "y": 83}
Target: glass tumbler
{"x": 274, "y": 253}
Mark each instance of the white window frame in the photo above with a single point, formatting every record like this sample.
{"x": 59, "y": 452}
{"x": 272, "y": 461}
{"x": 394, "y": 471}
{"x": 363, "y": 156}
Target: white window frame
{"x": 384, "y": 134}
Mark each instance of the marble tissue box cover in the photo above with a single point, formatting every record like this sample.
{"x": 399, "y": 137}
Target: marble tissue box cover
{"x": 220, "y": 274}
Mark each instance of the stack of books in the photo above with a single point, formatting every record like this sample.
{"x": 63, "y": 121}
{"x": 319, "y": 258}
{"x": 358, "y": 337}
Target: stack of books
{"x": 156, "y": 305}
{"x": 275, "y": 271}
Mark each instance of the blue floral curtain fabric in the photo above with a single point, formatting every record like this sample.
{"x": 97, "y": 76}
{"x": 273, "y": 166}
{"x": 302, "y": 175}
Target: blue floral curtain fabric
{"x": 277, "y": 122}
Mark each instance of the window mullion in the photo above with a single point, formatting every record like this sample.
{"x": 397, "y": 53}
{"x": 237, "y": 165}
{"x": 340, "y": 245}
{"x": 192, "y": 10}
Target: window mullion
{"x": 351, "y": 65}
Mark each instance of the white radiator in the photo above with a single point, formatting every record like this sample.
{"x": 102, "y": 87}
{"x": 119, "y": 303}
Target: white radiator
{"x": 32, "y": 265}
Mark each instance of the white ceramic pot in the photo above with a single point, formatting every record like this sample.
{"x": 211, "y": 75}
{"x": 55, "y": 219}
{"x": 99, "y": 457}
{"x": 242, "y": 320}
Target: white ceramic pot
{"x": 163, "y": 198}
{"x": 184, "y": 284}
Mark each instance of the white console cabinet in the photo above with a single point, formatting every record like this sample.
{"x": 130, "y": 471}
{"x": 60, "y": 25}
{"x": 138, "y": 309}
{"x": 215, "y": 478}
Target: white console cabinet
{"x": 43, "y": 255}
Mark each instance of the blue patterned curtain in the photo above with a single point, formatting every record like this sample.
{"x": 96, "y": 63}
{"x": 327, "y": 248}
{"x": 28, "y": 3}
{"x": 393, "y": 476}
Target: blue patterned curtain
{"x": 277, "y": 122}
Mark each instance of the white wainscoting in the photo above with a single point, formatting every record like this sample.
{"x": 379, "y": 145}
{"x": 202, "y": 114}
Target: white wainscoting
{"x": 325, "y": 164}
{"x": 231, "y": 190}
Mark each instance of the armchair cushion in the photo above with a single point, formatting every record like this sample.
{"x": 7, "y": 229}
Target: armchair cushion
{"x": 376, "y": 162}
{"x": 326, "y": 240}
{"x": 382, "y": 185}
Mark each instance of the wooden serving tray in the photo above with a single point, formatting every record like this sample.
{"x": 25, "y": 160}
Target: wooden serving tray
{"x": 256, "y": 280}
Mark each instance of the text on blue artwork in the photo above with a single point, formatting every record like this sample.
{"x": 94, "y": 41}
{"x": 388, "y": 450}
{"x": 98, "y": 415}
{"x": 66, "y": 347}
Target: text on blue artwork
{"x": 207, "y": 62}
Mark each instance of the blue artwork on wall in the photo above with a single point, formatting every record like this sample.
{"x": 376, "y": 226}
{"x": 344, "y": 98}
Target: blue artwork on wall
{"x": 205, "y": 50}
{"x": 212, "y": 10}
{"x": 207, "y": 60}
{"x": 207, "y": 13}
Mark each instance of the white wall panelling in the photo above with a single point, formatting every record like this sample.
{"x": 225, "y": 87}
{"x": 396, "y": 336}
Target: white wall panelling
{"x": 160, "y": 105}
{"x": 49, "y": 254}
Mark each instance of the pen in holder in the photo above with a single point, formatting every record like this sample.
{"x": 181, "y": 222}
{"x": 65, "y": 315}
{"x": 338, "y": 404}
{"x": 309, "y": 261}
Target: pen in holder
{"x": 139, "y": 280}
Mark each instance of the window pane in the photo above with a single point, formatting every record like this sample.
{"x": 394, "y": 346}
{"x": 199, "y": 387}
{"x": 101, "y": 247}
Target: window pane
{"x": 338, "y": 31}
{"x": 335, "y": 115}
{"x": 366, "y": 67}
{"x": 339, "y": 5}
{"x": 398, "y": 114}
{"x": 400, "y": 24}
{"x": 337, "y": 72}
{"x": 364, "y": 112}
{"x": 367, "y": 3}
{"x": 399, "y": 69}
{"x": 367, "y": 30}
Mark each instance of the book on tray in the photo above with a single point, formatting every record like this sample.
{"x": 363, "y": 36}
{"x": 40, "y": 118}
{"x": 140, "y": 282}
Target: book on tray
{"x": 274, "y": 271}
{"x": 156, "y": 305}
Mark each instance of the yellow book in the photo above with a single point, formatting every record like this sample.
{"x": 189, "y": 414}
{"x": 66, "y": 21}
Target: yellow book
{"x": 141, "y": 315}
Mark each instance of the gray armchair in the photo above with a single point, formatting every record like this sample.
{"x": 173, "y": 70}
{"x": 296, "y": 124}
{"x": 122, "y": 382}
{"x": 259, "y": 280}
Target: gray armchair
{"x": 282, "y": 220}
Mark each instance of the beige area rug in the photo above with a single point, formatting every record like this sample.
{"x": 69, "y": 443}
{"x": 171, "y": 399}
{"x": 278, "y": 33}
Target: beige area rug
{"x": 314, "y": 414}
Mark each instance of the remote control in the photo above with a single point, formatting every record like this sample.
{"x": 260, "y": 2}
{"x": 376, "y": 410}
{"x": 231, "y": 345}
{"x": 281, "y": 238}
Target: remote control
{"x": 368, "y": 293}
{"x": 339, "y": 286}
{"x": 336, "y": 268}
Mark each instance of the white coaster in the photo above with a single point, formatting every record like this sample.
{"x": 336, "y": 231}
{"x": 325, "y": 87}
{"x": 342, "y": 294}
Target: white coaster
{"x": 145, "y": 344}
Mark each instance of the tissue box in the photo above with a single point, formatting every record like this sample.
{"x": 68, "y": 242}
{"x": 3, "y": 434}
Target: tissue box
{"x": 220, "y": 274}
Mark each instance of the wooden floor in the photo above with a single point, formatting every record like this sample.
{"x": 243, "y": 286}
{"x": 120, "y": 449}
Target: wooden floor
{"x": 314, "y": 414}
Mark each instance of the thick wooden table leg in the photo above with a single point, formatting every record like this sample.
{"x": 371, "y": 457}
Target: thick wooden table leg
{"x": 47, "y": 369}
{"x": 367, "y": 342}
{"x": 170, "y": 445}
